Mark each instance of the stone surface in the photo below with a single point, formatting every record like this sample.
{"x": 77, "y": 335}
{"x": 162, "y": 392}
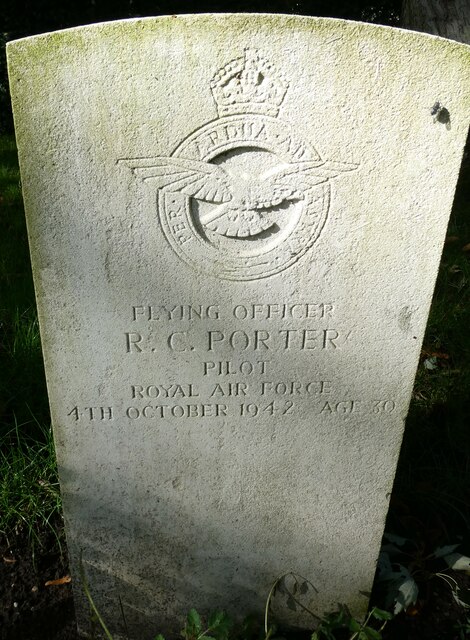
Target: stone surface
{"x": 235, "y": 226}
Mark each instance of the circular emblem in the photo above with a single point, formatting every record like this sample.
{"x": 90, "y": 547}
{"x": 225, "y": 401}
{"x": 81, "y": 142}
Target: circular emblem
{"x": 262, "y": 218}
{"x": 242, "y": 197}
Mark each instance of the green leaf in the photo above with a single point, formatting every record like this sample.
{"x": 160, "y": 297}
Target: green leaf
{"x": 221, "y": 625}
{"x": 398, "y": 540}
{"x": 354, "y": 625}
{"x": 345, "y": 611}
{"x": 384, "y": 565}
{"x": 215, "y": 618}
{"x": 336, "y": 620}
{"x": 380, "y": 614}
{"x": 331, "y": 622}
{"x": 159, "y": 637}
{"x": 462, "y": 597}
{"x": 440, "y": 552}
{"x": 407, "y": 594}
{"x": 323, "y": 633}
{"x": 194, "y": 621}
{"x": 372, "y": 634}
{"x": 458, "y": 562}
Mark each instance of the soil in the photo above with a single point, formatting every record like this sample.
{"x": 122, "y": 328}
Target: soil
{"x": 30, "y": 610}
{"x": 436, "y": 616}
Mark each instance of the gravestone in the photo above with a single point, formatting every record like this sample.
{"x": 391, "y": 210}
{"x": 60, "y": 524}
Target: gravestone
{"x": 235, "y": 225}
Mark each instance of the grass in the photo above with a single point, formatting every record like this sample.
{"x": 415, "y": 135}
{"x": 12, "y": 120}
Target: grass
{"x": 22, "y": 382}
{"x": 29, "y": 489}
{"x": 29, "y": 495}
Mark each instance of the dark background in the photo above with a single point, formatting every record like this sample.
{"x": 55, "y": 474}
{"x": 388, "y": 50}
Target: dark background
{"x": 31, "y": 17}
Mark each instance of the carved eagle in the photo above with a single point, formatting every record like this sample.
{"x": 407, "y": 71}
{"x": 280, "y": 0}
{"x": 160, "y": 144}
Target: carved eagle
{"x": 243, "y": 201}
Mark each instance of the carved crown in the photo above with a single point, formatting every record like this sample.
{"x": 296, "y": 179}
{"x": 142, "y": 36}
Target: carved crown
{"x": 248, "y": 85}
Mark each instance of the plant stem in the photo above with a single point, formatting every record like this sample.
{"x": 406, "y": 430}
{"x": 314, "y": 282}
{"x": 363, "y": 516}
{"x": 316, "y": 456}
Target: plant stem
{"x": 90, "y": 600}
{"x": 268, "y": 600}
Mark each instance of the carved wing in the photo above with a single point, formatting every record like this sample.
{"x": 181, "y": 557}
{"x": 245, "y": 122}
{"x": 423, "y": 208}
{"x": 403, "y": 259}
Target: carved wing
{"x": 306, "y": 175}
{"x": 196, "y": 179}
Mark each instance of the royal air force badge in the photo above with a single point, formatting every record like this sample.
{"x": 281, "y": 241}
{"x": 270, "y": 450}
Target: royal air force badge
{"x": 243, "y": 197}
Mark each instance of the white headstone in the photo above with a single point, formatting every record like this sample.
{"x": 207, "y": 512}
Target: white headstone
{"x": 235, "y": 225}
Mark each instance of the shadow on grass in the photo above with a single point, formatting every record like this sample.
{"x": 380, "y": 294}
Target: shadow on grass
{"x": 23, "y": 397}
